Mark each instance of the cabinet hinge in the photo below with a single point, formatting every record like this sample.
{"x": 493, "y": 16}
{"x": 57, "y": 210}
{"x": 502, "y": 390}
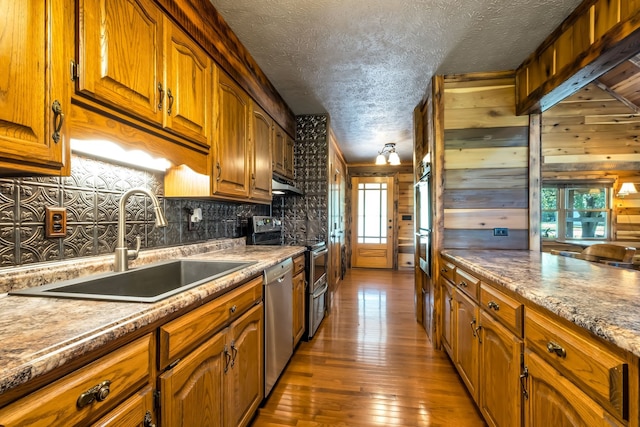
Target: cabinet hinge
{"x": 156, "y": 399}
{"x": 73, "y": 70}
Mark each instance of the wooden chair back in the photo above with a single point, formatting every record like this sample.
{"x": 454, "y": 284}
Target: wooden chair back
{"x": 608, "y": 251}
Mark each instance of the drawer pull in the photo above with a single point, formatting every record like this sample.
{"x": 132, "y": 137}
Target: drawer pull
{"x": 96, "y": 393}
{"x": 233, "y": 309}
{"x": 494, "y": 306}
{"x": 463, "y": 283}
{"x": 444, "y": 270}
{"x": 557, "y": 349}
{"x": 148, "y": 420}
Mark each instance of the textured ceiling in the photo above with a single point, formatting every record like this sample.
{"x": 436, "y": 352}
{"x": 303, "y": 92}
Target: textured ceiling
{"x": 367, "y": 62}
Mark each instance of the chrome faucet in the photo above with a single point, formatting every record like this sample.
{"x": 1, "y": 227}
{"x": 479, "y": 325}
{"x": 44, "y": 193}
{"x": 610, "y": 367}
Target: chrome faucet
{"x": 122, "y": 253}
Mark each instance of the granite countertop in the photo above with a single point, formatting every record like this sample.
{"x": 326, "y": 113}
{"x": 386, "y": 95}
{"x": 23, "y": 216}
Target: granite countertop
{"x": 40, "y": 334}
{"x": 602, "y": 299}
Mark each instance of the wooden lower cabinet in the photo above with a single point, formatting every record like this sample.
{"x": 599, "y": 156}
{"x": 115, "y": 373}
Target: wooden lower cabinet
{"x": 192, "y": 392}
{"x": 244, "y": 380}
{"x": 220, "y": 383}
{"x": 95, "y": 391}
{"x": 553, "y": 400}
{"x": 448, "y": 327}
{"x": 298, "y": 306}
{"x": 137, "y": 411}
{"x": 499, "y": 396}
{"x": 465, "y": 356}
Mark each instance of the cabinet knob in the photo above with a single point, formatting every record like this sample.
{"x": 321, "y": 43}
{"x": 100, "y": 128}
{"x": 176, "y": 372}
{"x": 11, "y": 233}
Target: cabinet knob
{"x": 96, "y": 393}
{"x": 553, "y": 347}
{"x": 233, "y": 308}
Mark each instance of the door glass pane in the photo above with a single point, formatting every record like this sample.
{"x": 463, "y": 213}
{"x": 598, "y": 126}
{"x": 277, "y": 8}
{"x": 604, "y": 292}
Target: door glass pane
{"x": 372, "y": 213}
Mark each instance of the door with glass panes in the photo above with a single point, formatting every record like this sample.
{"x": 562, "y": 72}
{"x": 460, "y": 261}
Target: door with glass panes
{"x": 373, "y": 230}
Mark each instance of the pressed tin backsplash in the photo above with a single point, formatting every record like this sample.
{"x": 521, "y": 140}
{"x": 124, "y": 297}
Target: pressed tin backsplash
{"x": 91, "y": 195}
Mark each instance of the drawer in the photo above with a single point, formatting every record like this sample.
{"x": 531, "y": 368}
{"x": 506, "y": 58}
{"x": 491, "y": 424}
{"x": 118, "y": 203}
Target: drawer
{"x": 467, "y": 283}
{"x": 126, "y": 369}
{"x": 179, "y": 336}
{"x": 505, "y": 309}
{"x": 600, "y": 373}
{"x": 298, "y": 264}
{"x": 448, "y": 270}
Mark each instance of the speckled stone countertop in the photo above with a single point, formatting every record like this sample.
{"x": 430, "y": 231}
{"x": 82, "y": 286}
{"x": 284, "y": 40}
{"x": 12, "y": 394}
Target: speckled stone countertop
{"x": 40, "y": 334}
{"x": 602, "y": 299}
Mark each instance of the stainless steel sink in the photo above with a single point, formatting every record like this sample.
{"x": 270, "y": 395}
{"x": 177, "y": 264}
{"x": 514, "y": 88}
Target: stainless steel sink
{"x": 149, "y": 283}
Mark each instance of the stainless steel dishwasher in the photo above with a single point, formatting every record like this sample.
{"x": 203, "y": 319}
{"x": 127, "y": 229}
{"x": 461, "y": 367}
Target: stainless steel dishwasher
{"x": 278, "y": 321}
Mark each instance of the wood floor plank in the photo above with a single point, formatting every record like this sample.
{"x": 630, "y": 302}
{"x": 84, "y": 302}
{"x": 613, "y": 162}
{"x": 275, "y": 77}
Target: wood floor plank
{"x": 370, "y": 364}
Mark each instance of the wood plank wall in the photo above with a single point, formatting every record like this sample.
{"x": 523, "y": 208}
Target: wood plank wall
{"x": 485, "y": 163}
{"x": 591, "y": 134}
{"x": 405, "y": 220}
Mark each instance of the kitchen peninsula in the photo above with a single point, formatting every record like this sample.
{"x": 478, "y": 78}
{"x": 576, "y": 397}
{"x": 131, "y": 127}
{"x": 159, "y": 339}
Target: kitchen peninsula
{"x": 556, "y": 332}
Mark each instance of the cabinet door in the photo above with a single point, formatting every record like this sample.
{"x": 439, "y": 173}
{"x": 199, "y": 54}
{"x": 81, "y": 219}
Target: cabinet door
{"x": 552, "y": 400}
{"x": 34, "y": 38}
{"x": 288, "y": 156}
{"x": 500, "y": 398}
{"x": 278, "y": 150}
{"x": 188, "y": 80}
{"x": 262, "y": 133}
{"x": 466, "y": 342}
{"x": 136, "y": 411}
{"x": 192, "y": 391}
{"x": 120, "y": 50}
{"x": 244, "y": 378}
{"x": 231, "y": 171}
{"x": 298, "y": 307}
{"x": 448, "y": 326}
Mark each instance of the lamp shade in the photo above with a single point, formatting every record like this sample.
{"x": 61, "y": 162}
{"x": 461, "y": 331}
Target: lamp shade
{"x": 381, "y": 160}
{"x": 394, "y": 159}
{"x": 626, "y": 189}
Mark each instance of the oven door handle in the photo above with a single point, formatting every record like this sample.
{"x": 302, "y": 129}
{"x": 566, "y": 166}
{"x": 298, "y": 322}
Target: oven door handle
{"x": 320, "y": 252}
{"x": 318, "y": 293}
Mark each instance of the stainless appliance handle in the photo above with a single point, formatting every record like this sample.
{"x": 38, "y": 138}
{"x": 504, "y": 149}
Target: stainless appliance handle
{"x": 319, "y": 252}
{"x": 320, "y": 291}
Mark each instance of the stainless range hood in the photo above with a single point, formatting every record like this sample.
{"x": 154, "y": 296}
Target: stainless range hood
{"x": 279, "y": 188}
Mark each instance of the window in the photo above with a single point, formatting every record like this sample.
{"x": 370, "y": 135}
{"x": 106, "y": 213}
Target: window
{"x": 576, "y": 211}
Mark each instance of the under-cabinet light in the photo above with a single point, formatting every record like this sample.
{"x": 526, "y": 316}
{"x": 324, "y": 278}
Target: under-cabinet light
{"x": 108, "y": 150}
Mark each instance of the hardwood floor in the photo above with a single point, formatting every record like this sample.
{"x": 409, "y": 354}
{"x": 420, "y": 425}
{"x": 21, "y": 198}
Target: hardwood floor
{"x": 370, "y": 364}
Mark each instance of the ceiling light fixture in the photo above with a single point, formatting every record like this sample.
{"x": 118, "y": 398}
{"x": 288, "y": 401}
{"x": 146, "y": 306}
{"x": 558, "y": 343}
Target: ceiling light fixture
{"x": 626, "y": 189}
{"x": 389, "y": 148}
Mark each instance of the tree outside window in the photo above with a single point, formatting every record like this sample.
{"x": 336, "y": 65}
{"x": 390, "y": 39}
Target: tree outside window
{"x": 575, "y": 211}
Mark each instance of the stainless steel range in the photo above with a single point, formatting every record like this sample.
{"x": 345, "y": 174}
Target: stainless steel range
{"x": 266, "y": 230}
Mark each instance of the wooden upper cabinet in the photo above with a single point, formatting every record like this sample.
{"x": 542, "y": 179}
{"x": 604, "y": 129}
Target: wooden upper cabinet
{"x": 288, "y": 157}
{"x": 120, "y": 51}
{"x": 278, "y": 150}
{"x": 231, "y": 159}
{"x": 187, "y": 91}
{"x": 35, "y": 49}
{"x": 261, "y": 137}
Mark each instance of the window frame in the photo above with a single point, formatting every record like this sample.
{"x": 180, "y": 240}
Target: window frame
{"x": 562, "y": 209}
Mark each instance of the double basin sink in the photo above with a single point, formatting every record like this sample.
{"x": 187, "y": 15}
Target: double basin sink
{"x": 149, "y": 283}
